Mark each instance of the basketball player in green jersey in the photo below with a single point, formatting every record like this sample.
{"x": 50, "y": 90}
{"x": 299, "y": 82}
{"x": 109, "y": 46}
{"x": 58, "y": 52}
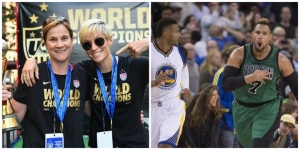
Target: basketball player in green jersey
{"x": 252, "y": 73}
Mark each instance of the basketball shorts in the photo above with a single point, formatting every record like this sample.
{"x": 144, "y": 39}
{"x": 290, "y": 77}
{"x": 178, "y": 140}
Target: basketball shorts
{"x": 256, "y": 122}
{"x": 167, "y": 119}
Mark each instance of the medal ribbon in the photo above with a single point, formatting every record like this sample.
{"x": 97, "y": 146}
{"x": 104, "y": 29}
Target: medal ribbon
{"x": 61, "y": 107}
{"x": 109, "y": 103}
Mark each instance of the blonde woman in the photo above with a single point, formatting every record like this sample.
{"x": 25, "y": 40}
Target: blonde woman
{"x": 211, "y": 64}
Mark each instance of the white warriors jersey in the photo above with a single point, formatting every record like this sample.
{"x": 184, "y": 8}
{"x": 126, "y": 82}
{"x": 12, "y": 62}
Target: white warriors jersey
{"x": 160, "y": 62}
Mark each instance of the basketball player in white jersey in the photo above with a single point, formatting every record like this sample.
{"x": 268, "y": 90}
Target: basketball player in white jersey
{"x": 169, "y": 77}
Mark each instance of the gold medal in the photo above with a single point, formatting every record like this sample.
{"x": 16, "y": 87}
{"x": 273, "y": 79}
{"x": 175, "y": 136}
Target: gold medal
{"x": 61, "y": 127}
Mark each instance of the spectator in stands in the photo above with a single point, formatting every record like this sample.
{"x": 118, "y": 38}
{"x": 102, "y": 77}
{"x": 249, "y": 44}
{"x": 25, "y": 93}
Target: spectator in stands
{"x": 278, "y": 34}
{"x": 211, "y": 45}
{"x": 196, "y": 37}
{"x": 211, "y": 64}
{"x": 200, "y": 46}
{"x": 209, "y": 19}
{"x": 231, "y": 18}
{"x": 176, "y": 13}
{"x": 191, "y": 24}
{"x": 227, "y": 137}
{"x": 290, "y": 108}
{"x": 251, "y": 20}
{"x": 187, "y": 9}
{"x": 214, "y": 18}
{"x": 202, "y": 123}
{"x": 294, "y": 41}
{"x": 295, "y": 137}
{"x": 194, "y": 75}
{"x": 248, "y": 37}
{"x": 166, "y": 12}
{"x": 290, "y": 97}
{"x": 281, "y": 138}
{"x": 285, "y": 22}
{"x": 186, "y": 36}
{"x": 200, "y": 10}
{"x": 216, "y": 34}
{"x": 156, "y": 11}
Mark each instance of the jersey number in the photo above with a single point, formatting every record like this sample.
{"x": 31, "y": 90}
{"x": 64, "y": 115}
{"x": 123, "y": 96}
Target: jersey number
{"x": 256, "y": 84}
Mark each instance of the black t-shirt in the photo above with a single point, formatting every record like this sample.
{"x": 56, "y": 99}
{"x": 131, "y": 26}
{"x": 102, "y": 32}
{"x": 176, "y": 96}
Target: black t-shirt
{"x": 39, "y": 116}
{"x": 290, "y": 31}
{"x": 132, "y": 79}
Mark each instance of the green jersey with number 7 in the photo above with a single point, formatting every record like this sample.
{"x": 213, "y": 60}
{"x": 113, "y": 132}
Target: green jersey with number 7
{"x": 258, "y": 92}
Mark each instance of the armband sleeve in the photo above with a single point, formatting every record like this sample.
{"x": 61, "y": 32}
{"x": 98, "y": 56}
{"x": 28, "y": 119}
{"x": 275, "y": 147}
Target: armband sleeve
{"x": 231, "y": 81}
{"x": 292, "y": 81}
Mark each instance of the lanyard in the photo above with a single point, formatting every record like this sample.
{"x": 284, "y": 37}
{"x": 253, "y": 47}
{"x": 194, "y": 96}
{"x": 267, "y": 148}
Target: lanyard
{"x": 61, "y": 104}
{"x": 109, "y": 103}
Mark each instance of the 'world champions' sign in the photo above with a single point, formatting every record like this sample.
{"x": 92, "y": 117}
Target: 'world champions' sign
{"x": 129, "y": 22}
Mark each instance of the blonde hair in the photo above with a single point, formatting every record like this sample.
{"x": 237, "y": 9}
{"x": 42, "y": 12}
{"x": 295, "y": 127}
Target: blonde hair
{"x": 278, "y": 29}
{"x": 207, "y": 64}
{"x": 94, "y": 26}
{"x": 228, "y": 14}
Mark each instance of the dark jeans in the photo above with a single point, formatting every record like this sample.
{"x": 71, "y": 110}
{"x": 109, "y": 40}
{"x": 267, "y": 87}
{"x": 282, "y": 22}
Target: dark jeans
{"x": 228, "y": 139}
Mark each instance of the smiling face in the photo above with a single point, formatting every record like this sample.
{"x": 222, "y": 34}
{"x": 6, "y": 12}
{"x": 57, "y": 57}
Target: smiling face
{"x": 59, "y": 43}
{"x": 261, "y": 37}
{"x": 214, "y": 99}
{"x": 98, "y": 53}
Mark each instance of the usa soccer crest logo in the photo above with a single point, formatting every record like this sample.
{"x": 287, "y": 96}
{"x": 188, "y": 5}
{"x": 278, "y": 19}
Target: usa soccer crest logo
{"x": 76, "y": 83}
{"x": 123, "y": 75}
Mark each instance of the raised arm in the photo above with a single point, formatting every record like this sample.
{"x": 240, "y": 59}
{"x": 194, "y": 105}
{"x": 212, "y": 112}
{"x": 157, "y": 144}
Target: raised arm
{"x": 135, "y": 47}
{"x": 237, "y": 34}
{"x": 288, "y": 73}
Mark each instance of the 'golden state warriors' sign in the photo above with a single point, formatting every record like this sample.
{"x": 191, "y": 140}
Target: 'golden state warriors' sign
{"x": 129, "y": 22}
